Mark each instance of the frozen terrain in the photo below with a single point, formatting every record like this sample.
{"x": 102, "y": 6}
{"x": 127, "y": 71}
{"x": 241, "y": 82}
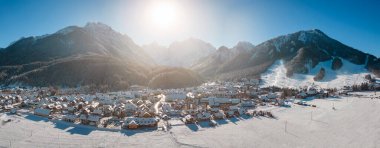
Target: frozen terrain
{"x": 354, "y": 123}
{"x": 348, "y": 74}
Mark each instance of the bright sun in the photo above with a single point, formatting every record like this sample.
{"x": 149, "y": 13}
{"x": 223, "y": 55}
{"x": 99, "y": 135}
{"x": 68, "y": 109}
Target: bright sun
{"x": 164, "y": 14}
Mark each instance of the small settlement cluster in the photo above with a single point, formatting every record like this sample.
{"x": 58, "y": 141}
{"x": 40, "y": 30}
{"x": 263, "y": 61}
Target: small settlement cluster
{"x": 143, "y": 107}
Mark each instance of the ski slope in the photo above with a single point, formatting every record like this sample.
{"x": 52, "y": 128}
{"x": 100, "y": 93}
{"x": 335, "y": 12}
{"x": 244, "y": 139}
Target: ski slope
{"x": 348, "y": 74}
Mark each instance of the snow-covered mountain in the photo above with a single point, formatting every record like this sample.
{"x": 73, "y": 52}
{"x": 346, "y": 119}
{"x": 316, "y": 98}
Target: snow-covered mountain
{"x": 92, "y": 39}
{"x": 301, "y": 52}
{"x": 180, "y": 53}
{"x": 97, "y": 55}
{"x": 91, "y": 55}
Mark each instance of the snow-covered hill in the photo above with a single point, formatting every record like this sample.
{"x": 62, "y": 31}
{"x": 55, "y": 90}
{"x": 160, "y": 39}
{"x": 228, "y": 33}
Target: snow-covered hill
{"x": 348, "y": 74}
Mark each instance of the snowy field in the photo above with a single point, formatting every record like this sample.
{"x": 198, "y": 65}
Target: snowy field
{"x": 353, "y": 123}
{"x": 348, "y": 74}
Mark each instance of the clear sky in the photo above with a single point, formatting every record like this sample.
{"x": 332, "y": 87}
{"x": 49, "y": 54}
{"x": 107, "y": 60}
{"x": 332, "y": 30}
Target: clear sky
{"x": 219, "y": 22}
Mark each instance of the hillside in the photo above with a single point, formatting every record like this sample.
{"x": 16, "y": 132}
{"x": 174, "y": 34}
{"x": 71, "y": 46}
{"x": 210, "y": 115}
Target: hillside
{"x": 167, "y": 78}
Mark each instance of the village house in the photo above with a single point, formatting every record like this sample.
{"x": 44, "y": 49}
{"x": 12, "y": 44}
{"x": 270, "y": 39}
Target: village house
{"x": 234, "y": 108}
{"x": 268, "y": 97}
{"x": 131, "y": 125}
{"x": 84, "y": 119}
{"x": 70, "y": 118}
{"x": 230, "y": 114}
{"x": 301, "y": 95}
{"x": 311, "y": 90}
{"x": 189, "y": 119}
{"x": 97, "y": 112}
{"x": 247, "y": 103}
{"x": 42, "y": 112}
{"x": 202, "y": 116}
{"x": 219, "y": 115}
{"x": 220, "y": 102}
{"x": 94, "y": 120}
{"x": 71, "y": 109}
{"x": 146, "y": 115}
{"x": 175, "y": 96}
{"x": 130, "y": 107}
{"x": 139, "y": 122}
{"x": 107, "y": 110}
{"x": 374, "y": 83}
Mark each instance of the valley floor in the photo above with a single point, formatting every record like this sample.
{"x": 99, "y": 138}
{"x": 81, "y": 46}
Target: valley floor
{"x": 353, "y": 123}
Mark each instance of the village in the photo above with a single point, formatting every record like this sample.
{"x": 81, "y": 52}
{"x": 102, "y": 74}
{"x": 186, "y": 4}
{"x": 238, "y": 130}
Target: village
{"x": 213, "y": 105}
{"x": 149, "y": 108}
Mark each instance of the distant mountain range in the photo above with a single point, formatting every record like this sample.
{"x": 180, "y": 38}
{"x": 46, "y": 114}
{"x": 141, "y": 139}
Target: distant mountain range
{"x": 181, "y": 53}
{"x": 96, "y": 55}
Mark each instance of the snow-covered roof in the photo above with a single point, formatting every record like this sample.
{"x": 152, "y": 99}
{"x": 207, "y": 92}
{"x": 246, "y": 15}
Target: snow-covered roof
{"x": 69, "y": 117}
{"x": 83, "y": 117}
{"x": 175, "y": 96}
{"x": 141, "y": 121}
{"x": 42, "y": 111}
{"x": 98, "y": 111}
{"x": 94, "y": 118}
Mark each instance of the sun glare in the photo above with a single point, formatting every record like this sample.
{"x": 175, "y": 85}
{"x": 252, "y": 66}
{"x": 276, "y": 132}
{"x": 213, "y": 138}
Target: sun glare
{"x": 164, "y": 14}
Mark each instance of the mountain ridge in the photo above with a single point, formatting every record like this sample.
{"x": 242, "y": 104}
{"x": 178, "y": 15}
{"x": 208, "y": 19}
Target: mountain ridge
{"x": 95, "y": 54}
{"x": 297, "y": 49}
{"x": 81, "y": 56}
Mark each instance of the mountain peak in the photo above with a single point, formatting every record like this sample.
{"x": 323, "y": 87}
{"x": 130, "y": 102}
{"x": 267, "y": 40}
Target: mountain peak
{"x": 316, "y": 32}
{"x": 67, "y": 30}
{"x": 244, "y": 46}
{"x": 223, "y": 48}
{"x": 97, "y": 25}
{"x": 191, "y": 40}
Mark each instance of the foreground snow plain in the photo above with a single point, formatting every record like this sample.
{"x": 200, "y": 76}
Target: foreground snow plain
{"x": 353, "y": 123}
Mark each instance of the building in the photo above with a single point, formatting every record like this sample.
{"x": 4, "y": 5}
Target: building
{"x": 311, "y": 90}
{"x": 83, "y": 119}
{"x": 70, "y": 118}
{"x": 175, "y": 96}
{"x": 189, "y": 119}
{"x": 148, "y": 122}
{"x": 247, "y": 103}
{"x": 219, "y": 115}
{"x": 203, "y": 116}
{"x": 216, "y": 102}
{"x": 93, "y": 120}
{"x": 130, "y": 107}
{"x": 132, "y": 125}
{"x": 42, "y": 112}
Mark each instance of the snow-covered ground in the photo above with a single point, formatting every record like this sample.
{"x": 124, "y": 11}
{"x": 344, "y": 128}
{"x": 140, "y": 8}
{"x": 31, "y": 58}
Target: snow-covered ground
{"x": 348, "y": 74}
{"x": 354, "y": 123}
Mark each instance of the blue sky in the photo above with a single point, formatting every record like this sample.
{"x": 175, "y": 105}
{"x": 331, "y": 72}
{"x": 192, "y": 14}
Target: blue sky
{"x": 220, "y": 22}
